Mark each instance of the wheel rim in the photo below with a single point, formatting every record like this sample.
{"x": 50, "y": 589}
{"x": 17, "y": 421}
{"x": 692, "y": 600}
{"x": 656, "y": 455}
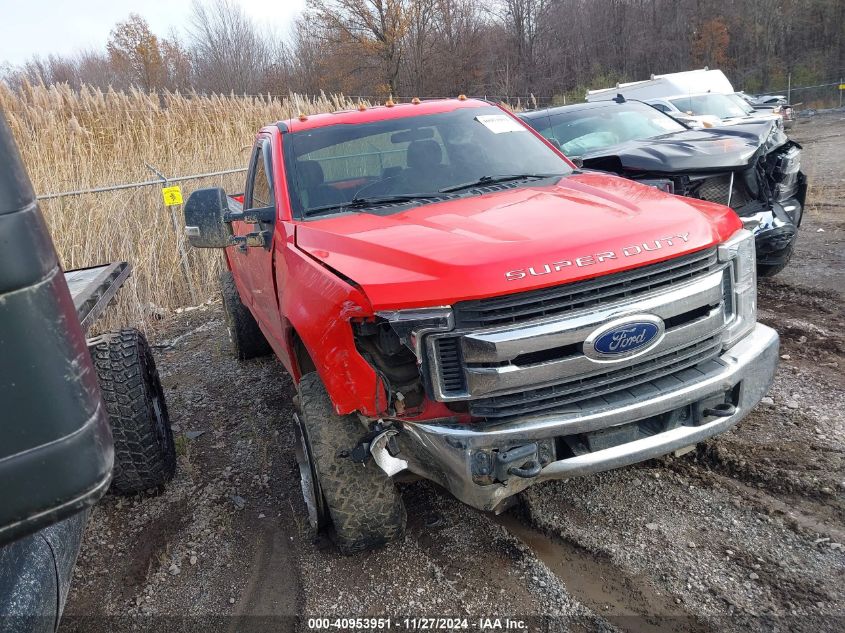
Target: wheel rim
{"x": 311, "y": 491}
{"x": 156, "y": 402}
{"x": 229, "y": 322}
{"x": 161, "y": 427}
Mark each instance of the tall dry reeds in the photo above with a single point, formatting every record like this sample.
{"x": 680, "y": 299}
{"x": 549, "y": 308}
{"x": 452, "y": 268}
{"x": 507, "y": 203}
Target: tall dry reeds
{"x": 73, "y": 140}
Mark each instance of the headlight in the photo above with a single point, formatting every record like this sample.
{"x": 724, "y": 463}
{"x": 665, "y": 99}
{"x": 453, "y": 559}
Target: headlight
{"x": 412, "y": 324}
{"x": 740, "y": 286}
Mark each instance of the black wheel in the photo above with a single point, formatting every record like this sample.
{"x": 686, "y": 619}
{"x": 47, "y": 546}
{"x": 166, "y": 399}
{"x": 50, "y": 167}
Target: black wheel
{"x": 360, "y": 501}
{"x": 144, "y": 454}
{"x": 246, "y": 336}
{"x": 770, "y": 269}
{"x": 318, "y": 513}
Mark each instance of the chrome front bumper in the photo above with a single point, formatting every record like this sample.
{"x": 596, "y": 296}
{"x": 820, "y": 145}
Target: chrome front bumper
{"x": 444, "y": 453}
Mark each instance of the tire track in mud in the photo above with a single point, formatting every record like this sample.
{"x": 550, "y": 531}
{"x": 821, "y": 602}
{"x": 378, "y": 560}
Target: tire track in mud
{"x": 629, "y": 603}
{"x": 803, "y": 514}
{"x": 453, "y": 561}
{"x": 269, "y": 596}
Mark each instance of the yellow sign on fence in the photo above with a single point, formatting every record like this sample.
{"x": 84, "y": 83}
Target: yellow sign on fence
{"x": 842, "y": 86}
{"x": 172, "y": 196}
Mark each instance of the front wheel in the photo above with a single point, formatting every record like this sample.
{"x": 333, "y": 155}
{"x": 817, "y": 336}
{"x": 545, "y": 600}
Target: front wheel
{"x": 769, "y": 266}
{"x": 358, "y": 503}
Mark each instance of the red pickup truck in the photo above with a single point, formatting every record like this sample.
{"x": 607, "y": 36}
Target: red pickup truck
{"x": 456, "y": 301}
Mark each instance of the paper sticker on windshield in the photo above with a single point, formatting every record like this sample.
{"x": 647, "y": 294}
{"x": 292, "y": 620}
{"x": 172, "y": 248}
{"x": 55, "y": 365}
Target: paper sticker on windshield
{"x": 499, "y": 123}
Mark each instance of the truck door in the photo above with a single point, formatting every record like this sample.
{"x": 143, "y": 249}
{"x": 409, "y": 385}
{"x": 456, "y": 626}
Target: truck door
{"x": 256, "y": 263}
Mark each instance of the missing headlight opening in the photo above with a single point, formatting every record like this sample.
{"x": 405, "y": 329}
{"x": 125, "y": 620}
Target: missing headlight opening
{"x": 395, "y": 363}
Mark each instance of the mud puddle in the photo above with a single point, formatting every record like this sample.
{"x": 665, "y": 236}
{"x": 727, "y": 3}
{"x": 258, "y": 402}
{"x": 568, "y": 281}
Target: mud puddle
{"x": 628, "y": 603}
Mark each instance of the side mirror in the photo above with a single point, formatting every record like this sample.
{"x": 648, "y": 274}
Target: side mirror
{"x": 206, "y": 215}
{"x": 208, "y": 221}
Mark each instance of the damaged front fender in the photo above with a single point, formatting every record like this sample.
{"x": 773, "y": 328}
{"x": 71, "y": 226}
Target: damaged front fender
{"x": 319, "y": 305}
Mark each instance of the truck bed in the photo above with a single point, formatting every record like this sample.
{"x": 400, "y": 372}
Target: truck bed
{"x": 92, "y": 289}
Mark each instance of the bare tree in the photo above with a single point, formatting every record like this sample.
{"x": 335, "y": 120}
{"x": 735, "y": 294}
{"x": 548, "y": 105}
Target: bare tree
{"x": 443, "y": 47}
{"x": 419, "y": 46}
{"x": 525, "y": 21}
{"x": 459, "y": 62}
{"x": 230, "y": 53}
{"x": 374, "y": 29}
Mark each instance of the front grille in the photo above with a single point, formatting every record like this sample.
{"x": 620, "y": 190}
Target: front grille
{"x": 723, "y": 190}
{"x": 629, "y": 383}
{"x": 451, "y": 367}
{"x": 560, "y": 300}
{"x": 727, "y": 294}
{"x": 716, "y": 189}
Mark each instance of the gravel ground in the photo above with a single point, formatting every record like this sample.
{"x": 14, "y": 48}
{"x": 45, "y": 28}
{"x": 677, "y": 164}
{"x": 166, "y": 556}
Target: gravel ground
{"x": 745, "y": 532}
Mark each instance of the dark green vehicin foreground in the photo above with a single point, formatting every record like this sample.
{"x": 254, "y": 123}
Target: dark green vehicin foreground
{"x": 65, "y": 418}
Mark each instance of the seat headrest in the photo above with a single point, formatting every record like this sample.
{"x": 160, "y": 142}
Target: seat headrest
{"x": 422, "y": 154}
{"x": 310, "y": 173}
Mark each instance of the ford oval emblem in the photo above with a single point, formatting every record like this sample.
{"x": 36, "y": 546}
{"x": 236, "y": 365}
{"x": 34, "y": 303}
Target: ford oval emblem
{"x": 624, "y": 338}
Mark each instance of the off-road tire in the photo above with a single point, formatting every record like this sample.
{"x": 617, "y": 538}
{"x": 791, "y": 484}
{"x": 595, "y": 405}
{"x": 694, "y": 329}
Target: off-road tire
{"x": 364, "y": 505}
{"x": 144, "y": 453}
{"x": 246, "y": 336}
{"x": 770, "y": 270}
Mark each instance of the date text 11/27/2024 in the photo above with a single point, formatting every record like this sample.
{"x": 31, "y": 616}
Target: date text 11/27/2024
{"x": 419, "y": 624}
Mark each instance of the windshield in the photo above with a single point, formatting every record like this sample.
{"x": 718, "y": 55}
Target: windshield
{"x": 343, "y": 165}
{"x": 580, "y": 131}
{"x": 722, "y": 106}
{"x": 742, "y": 103}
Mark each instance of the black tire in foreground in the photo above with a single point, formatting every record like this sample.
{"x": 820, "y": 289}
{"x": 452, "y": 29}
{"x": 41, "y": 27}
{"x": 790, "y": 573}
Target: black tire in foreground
{"x": 767, "y": 268}
{"x": 144, "y": 453}
{"x": 246, "y": 336}
{"x": 363, "y": 505}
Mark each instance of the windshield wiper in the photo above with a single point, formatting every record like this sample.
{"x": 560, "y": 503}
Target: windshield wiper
{"x": 364, "y": 203}
{"x": 492, "y": 180}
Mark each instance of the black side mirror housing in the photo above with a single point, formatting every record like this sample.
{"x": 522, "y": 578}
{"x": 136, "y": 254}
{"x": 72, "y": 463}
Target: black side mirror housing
{"x": 206, "y": 219}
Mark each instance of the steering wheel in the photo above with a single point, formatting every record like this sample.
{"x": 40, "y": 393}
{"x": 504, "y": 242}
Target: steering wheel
{"x": 370, "y": 185}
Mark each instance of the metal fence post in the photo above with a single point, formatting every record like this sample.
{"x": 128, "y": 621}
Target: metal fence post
{"x": 180, "y": 243}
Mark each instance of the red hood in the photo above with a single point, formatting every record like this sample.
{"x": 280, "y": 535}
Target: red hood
{"x": 513, "y": 240}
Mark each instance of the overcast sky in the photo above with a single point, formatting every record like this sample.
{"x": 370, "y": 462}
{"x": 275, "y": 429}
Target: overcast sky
{"x": 41, "y": 27}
